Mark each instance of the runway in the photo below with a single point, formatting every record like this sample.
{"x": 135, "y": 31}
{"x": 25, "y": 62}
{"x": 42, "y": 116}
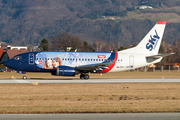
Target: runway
{"x": 80, "y": 81}
{"x": 105, "y": 116}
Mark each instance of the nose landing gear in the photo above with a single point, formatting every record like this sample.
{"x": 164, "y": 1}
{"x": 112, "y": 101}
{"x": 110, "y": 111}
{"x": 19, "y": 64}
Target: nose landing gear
{"x": 84, "y": 76}
{"x": 24, "y": 77}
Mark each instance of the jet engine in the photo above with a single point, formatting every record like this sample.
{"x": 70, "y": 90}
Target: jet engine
{"x": 65, "y": 71}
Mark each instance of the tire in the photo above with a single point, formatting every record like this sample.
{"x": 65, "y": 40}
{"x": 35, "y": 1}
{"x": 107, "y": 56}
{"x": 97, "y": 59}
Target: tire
{"x": 82, "y": 76}
{"x": 24, "y": 77}
{"x": 86, "y": 77}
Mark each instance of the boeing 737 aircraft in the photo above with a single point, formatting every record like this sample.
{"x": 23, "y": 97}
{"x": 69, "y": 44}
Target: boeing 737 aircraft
{"x": 72, "y": 63}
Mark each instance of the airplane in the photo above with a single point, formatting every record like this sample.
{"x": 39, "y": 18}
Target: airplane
{"x": 72, "y": 63}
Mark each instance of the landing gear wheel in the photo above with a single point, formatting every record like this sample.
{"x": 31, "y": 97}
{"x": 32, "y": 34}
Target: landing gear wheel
{"x": 82, "y": 76}
{"x": 24, "y": 77}
{"x": 86, "y": 77}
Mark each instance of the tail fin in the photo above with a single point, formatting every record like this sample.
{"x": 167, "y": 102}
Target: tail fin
{"x": 151, "y": 42}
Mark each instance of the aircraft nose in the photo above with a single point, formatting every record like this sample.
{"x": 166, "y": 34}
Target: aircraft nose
{"x": 9, "y": 63}
{"x": 6, "y": 63}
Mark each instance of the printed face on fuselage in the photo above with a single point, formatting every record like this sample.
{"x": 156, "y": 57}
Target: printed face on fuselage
{"x": 48, "y": 64}
{"x": 55, "y": 64}
{"x": 51, "y": 60}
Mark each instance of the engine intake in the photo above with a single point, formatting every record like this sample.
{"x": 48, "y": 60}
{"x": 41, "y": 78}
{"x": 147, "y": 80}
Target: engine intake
{"x": 65, "y": 71}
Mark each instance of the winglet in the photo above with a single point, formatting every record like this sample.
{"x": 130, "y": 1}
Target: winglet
{"x": 161, "y": 22}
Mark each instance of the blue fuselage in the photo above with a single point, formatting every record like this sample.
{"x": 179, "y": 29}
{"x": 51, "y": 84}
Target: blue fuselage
{"x": 49, "y": 61}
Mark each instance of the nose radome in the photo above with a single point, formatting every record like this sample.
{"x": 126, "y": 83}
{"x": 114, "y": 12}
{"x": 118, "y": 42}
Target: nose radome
{"x": 7, "y": 63}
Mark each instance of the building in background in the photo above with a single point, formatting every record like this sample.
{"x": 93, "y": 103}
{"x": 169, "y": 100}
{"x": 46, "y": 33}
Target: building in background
{"x": 8, "y": 52}
{"x": 9, "y": 47}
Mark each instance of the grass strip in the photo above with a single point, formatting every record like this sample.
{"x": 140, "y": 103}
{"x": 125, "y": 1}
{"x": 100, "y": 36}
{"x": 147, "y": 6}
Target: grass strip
{"x": 90, "y": 98}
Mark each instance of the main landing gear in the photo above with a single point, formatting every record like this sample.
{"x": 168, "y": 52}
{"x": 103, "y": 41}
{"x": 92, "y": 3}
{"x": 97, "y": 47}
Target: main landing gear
{"x": 84, "y": 76}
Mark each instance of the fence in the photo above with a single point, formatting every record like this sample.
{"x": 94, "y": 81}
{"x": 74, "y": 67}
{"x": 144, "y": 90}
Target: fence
{"x": 154, "y": 69}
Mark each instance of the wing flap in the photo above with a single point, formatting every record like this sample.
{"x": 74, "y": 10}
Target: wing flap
{"x": 91, "y": 67}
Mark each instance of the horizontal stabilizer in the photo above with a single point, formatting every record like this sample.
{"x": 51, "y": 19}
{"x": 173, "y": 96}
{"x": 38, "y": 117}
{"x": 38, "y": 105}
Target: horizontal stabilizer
{"x": 160, "y": 55}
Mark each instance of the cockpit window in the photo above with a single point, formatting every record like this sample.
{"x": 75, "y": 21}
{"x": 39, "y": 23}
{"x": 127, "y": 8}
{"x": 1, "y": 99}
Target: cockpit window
{"x": 17, "y": 57}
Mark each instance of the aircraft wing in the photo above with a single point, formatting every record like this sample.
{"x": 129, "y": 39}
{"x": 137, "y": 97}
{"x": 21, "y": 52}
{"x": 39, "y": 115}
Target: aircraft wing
{"x": 159, "y": 55}
{"x": 93, "y": 66}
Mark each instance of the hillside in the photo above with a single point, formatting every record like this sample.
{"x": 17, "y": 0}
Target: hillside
{"x": 25, "y": 22}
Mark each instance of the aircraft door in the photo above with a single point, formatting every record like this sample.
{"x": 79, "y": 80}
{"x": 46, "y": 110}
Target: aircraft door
{"x": 131, "y": 61}
{"x": 31, "y": 59}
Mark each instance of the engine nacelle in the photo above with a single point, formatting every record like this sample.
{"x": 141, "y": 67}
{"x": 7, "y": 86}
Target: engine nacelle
{"x": 65, "y": 71}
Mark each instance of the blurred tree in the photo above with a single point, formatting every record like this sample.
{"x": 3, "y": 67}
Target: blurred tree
{"x": 121, "y": 48}
{"x": 86, "y": 47}
{"x": 85, "y": 43}
{"x": 65, "y": 40}
{"x": 161, "y": 49}
{"x": 99, "y": 46}
{"x": 44, "y": 45}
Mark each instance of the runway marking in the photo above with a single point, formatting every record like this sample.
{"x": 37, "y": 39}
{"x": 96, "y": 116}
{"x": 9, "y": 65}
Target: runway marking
{"x": 22, "y": 81}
